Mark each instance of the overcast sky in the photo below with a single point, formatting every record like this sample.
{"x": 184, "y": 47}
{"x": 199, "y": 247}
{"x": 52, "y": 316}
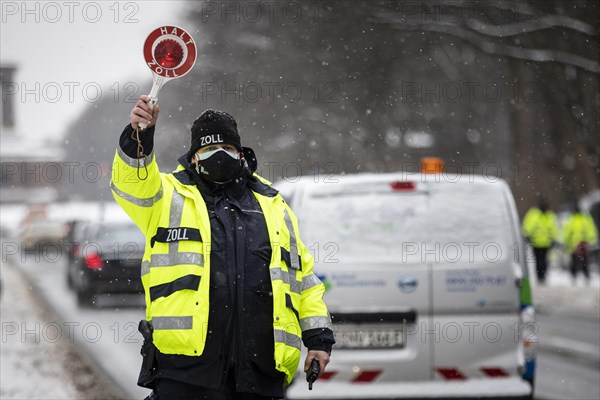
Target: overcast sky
{"x": 72, "y": 54}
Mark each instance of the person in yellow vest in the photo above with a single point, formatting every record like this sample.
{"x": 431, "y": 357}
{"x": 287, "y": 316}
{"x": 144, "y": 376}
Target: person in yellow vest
{"x": 541, "y": 231}
{"x": 579, "y": 232}
{"x": 229, "y": 285}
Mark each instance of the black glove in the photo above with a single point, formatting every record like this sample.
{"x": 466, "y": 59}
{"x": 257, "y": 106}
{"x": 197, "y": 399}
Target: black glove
{"x": 313, "y": 373}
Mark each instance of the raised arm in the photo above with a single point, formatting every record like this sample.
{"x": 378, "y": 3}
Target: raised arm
{"x": 136, "y": 182}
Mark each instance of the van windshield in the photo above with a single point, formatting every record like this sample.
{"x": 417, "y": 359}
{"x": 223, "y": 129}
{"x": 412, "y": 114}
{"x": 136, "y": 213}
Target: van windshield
{"x": 444, "y": 223}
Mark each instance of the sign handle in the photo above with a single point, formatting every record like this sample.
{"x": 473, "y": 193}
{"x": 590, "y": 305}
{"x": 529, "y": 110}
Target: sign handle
{"x": 157, "y": 83}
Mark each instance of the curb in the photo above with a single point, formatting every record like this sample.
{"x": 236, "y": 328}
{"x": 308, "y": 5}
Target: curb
{"x": 567, "y": 348}
{"x": 114, "y": 389}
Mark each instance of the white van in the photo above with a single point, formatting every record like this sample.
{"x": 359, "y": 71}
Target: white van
{"x": 426, "y": 285}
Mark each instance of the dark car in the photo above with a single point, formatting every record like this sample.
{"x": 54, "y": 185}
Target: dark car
{"x": 77, "y": 234}
{"x": 108, "y": 261}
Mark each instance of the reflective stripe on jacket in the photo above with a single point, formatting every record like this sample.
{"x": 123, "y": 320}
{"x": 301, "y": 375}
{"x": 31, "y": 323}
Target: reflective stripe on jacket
{"x": 175, "y": 273}
{"x": 540, "y": 227}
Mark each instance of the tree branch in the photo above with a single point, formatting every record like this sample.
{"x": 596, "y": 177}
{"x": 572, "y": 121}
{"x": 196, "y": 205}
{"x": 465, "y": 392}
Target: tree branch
{"x": 540, "y": 55}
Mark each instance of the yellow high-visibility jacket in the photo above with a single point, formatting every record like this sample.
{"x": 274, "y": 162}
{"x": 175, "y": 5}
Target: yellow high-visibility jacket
{"x": 578, "y": 228}
{"x": 176, "y": 274}
{"x": 540, "y": 227}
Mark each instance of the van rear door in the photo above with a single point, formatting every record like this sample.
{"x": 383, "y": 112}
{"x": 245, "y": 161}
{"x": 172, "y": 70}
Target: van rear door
{"x": 475, "y": 271}
{"x": 362, "y": 235}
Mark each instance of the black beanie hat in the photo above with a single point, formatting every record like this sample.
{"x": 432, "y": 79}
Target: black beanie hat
{"x": 214, "y": 127}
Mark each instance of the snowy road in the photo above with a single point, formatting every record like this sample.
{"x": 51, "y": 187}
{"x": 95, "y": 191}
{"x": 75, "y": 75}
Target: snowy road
{"x": 568, "y": 362}
{"x": 36, "y": 362}
{"x": 108, "y": 334}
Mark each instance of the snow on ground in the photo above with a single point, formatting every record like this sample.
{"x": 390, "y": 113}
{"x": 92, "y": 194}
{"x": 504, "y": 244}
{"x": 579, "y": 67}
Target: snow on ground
{"x": 37, "y": 359}
{"x": 562, "y": 294}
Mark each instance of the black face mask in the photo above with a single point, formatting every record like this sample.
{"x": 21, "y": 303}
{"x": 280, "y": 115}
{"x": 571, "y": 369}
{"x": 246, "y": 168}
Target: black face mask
{"x": 220, "y": 167}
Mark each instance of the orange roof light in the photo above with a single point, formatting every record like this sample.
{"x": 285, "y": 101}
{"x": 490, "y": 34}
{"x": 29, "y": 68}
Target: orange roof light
{"x": 432, "y": 165}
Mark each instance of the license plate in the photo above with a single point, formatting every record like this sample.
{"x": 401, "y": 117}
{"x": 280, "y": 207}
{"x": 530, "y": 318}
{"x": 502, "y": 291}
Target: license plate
{"x": 369, "y": 339}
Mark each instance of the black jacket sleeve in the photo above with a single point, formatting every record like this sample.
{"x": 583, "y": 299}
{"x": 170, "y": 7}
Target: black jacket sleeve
{"x": 318, "y": 339}
{"x": 129, "y": 145}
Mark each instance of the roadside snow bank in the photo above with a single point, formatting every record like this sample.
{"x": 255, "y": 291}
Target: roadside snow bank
{"x": 36, "y": 362}
{"x": 561, "y": 294}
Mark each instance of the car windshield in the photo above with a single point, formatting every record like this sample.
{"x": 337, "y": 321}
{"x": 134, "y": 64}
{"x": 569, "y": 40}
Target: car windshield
{"x": 447, "y": 222}
{"x": 119, "y": 234}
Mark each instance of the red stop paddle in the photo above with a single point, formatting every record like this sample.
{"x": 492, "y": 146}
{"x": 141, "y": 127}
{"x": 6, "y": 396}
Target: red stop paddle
{"x": 170, "y": 52}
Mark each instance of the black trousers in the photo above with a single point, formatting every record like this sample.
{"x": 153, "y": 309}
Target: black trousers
{"x": 541, "y": 265}
{"x": 580, "y": 263}
{"x": 169, "y": 389}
